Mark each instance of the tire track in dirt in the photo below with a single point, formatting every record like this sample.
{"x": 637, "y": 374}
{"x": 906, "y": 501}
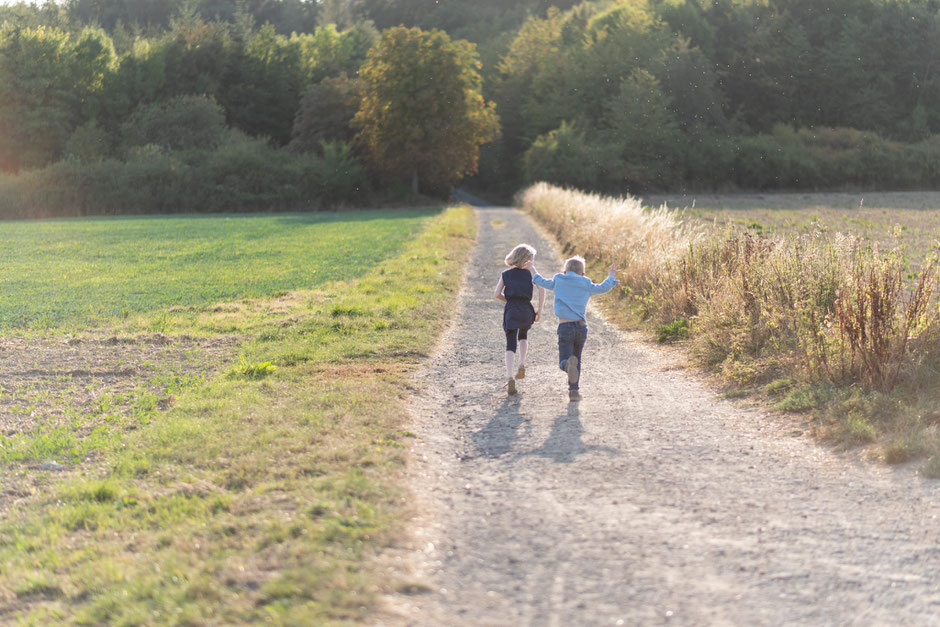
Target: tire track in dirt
{"x": 649, "y": 502}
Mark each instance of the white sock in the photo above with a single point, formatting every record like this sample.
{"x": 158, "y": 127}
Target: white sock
{"x": 523, "y": 347}
{"x": 510, "y": 358}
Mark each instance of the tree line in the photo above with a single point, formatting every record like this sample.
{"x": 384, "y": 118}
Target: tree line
{"x": 246, "y": 104}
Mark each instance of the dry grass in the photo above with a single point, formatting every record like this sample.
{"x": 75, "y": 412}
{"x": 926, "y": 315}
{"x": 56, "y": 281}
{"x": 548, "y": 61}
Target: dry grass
{"x": 828, "y": 312}
{"x": 908, "y": 221}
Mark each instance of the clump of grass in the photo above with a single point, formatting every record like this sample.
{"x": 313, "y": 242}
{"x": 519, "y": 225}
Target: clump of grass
{"x": 674, "y": 331}
{"x": 252, "y": 369}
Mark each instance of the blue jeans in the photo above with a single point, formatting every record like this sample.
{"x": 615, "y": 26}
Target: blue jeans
{"x": 571, "y": 338}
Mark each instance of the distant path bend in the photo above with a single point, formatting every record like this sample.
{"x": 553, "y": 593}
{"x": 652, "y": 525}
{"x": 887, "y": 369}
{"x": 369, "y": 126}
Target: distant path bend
{"x": 649, "y": 502}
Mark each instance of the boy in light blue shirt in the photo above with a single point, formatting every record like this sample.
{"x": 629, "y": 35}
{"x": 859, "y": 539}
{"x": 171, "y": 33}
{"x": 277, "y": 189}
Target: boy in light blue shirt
{"x": 572, "y": 292}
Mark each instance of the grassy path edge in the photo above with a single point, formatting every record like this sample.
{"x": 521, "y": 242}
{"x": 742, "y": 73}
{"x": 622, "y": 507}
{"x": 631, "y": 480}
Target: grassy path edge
{"x": 262, "y": 494}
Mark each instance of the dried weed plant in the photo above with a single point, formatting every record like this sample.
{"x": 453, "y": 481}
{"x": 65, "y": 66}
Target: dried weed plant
{"x": 817, "y": 306}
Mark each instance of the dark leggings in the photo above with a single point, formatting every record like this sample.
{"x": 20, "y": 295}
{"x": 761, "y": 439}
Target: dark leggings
{"x": 511, "y": 337}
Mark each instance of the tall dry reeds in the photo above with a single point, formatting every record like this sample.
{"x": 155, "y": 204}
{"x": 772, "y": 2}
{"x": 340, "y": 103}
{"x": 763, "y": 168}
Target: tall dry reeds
{"x": 816, "y": 306}
{"x": 641, "y": 241}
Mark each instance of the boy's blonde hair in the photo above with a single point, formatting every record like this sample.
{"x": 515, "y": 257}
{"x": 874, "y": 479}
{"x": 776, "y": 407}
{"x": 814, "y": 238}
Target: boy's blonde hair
{"x": 575, "y": 264}
{"x": 519, "y": 255}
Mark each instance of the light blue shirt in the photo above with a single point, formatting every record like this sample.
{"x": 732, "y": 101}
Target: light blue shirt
{"x": 572, "y": 292}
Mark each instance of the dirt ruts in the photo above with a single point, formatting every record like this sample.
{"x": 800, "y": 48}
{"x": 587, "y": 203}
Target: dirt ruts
{"x": 649, "y": 502}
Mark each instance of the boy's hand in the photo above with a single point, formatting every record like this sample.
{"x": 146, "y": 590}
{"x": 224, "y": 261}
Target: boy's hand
{"x": 612, "y": 270}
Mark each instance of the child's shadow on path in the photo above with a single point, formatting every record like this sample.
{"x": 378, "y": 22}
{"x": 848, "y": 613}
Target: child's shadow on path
{"x": 564, "y": 442}
{"x": 508, "y": 425}
{"x": 497, "y": 436}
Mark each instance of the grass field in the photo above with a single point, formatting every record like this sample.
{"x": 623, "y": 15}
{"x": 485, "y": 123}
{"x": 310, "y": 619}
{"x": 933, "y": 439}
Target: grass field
{"x": 245, "y": 473}
{"x": 906, "y": 220}
{"x": 79, "y": 272}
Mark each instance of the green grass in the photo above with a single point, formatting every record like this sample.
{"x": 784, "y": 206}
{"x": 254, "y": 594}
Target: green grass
{"x": 81, "y": 272}
{"x": 261, "y": 494}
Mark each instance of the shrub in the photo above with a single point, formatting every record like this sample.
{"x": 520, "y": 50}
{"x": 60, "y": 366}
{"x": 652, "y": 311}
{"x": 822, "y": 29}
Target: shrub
{"x": 183, "y": 123}
{"x": 673, "y": 332}
{"x": 564, "y": 156}
{"x": 339, "y": 176}
{"x": 242, "y": 174}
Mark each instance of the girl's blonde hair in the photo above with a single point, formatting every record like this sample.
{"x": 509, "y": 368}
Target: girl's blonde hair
{"x": 519, "y": 255}
{"x": 575, "y": 264}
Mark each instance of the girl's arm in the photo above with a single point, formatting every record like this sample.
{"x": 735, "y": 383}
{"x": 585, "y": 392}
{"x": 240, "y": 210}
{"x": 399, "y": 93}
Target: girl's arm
{"x": 498, "y": 294}
{"x": 538, "y": 310}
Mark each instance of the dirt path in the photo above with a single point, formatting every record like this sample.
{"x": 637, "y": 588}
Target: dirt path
{"x": 649, "y": 502}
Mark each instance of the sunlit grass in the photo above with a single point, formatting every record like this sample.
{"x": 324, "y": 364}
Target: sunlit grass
{"x": 81, "y": 272}
{"x": 905, "y": 220}
{"x": 262, "y": 493}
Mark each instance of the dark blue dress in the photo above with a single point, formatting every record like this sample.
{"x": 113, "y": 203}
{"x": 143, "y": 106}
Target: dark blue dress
{"x": 519, "y": 312}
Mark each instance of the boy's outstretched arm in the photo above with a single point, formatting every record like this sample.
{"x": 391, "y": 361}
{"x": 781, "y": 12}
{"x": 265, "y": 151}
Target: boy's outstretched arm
{"x": 539, "y": 280}
{"x": 608, "y": 284}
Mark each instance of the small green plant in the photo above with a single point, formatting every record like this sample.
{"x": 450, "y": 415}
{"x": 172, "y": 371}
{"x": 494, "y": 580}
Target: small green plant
{"x": 799, "y": 399}
{"x": 253, "y": 369}
{"x": 779, "y": 386}
{"x": 675, "y": 331}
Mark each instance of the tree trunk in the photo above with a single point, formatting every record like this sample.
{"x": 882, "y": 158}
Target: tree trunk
{"x": 414, "y": 181}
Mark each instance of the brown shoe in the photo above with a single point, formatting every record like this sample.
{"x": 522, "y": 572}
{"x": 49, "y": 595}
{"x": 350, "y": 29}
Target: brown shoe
{"x": 520, "y": 374}
{"x": 574, "y": 395}
{"x": 511, "y": 388}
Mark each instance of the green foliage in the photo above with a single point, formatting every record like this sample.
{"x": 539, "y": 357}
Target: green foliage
{"x": 339, "y": 176}
{"x": 325, "y": 114}
{"x": 242, "y": 174}
{"x": 253, "y": 369}
{"x": 264, "y": 90}
{"x": 50, "y": 83}
{"x": 182, "y": 123}
{"x": 422, "y": 113}
{"x": 674, "y": 331}
{"x": 663, "y": 95}
{"x": 89, "y": 142}
{"x": 565, "y": 156}
{"x": 328, "y": 52}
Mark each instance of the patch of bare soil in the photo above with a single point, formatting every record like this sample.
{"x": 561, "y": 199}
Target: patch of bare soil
{"x": 649, "y": 502}
{"x": 79, "y": 384}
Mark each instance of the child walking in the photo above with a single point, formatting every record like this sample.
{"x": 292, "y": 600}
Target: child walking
{"x": 572, "y": 292}
{"x": 515, "y": 289}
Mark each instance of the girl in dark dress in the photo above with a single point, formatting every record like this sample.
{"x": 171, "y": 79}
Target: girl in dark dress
{"x": 515, "y": 289}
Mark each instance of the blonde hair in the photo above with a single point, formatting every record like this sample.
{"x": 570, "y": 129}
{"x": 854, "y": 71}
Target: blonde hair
{"x": 519, "y": 255}
{"x": 575, "y": 264}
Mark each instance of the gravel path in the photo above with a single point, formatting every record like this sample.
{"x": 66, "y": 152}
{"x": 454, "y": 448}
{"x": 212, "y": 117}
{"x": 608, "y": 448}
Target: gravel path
{"x": 649, "y": 502}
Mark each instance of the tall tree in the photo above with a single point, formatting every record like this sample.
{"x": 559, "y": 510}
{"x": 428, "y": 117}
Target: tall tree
{"x": 49, "y": 82}
{"x": 422, "y": 112}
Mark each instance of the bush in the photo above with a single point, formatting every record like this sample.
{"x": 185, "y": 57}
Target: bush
{"x": 565, "y": 157}
{"x": 242, "y": 174}
{"x": 183, "y": 123}
{"x": 339, "y": 176}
